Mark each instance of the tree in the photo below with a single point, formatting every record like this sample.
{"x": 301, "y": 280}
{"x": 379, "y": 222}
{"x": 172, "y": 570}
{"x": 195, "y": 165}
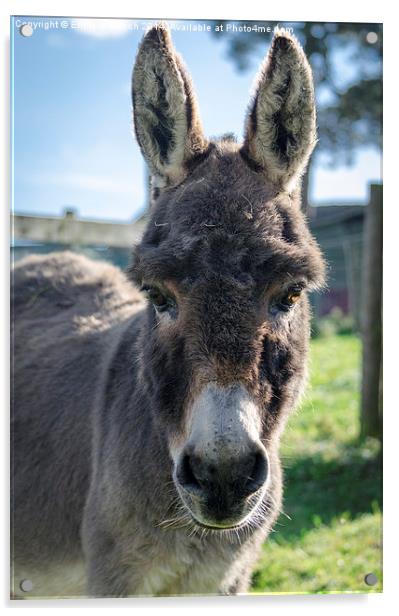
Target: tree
{"x": 347, "y": 65}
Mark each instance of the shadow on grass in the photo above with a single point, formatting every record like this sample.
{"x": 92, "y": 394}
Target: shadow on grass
{"x": 319, "y": 490}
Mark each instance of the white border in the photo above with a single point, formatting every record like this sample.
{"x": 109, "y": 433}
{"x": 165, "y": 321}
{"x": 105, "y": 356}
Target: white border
{"x": 290, "y": 10}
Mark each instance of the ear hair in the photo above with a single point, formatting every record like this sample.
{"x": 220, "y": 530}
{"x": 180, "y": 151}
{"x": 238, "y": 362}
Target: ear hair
{"x": 166, "y": 117}
{"x": 280, "y": 129}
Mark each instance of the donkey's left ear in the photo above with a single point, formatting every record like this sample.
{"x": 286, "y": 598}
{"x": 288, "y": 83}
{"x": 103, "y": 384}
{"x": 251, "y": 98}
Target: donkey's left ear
{"x": 281, "y": 123}
{"x": 166, "y": 118}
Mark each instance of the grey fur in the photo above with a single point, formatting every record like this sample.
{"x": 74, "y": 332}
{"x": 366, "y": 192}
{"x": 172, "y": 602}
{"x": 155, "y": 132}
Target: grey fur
{"x": 104, "y": 384}
{"x": 281, "y": 124}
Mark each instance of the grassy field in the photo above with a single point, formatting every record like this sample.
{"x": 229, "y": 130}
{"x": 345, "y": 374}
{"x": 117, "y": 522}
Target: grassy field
{"x": 332, "y": 537}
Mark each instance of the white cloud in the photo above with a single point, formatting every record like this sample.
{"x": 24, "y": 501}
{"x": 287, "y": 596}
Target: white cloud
{"x": 103, "y": 28}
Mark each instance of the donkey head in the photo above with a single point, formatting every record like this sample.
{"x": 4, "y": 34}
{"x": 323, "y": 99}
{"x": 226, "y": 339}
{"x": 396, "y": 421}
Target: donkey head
{"x": 226, "y": 262}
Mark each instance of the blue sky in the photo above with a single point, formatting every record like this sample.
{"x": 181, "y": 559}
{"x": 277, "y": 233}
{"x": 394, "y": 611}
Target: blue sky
{"x": 73, "y": 142}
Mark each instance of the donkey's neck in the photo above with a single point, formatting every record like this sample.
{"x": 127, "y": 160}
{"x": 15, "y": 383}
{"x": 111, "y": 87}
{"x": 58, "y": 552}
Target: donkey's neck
{"x": 127, "y": 417}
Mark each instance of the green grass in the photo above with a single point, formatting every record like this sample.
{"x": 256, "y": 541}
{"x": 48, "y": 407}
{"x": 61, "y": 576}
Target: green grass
{"x": 332, "y": 537}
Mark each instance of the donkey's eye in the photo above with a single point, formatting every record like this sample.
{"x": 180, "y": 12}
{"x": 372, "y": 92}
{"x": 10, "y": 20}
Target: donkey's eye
{"x": 292, "y": 297}
{"x": 160, "y": 301}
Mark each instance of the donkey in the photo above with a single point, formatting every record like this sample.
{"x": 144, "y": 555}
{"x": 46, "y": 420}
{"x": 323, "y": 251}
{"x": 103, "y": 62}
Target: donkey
{"x": 148, "y": 405}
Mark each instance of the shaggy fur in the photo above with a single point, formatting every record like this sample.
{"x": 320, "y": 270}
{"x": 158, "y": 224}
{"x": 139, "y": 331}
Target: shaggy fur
{"x": 281, "y": 124}
{"x": 167, "y": 122}
{"x": 103, "y": 384}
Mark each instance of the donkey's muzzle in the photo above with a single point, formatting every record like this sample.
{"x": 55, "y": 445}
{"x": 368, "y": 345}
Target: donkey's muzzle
{"x": 220, "y": 491}
{"x": 222, "y": 470}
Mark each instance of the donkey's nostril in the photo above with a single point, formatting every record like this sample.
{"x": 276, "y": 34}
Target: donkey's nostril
{"x": 258, "y": 474}
{"x": 186, "y": 476}
{"x": 235, "y": 476}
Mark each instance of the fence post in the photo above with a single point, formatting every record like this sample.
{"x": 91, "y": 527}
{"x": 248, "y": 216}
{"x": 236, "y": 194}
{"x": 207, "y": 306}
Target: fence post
{"x": 371, "y": 317}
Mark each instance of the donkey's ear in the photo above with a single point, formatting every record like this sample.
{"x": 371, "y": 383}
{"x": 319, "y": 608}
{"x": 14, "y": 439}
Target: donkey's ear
{"x": 166, "y": 119}
{"x": 281, "y": 123}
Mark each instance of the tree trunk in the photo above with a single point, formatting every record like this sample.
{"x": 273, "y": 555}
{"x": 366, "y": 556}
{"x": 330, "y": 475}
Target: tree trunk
{"x": 371, "y": 411}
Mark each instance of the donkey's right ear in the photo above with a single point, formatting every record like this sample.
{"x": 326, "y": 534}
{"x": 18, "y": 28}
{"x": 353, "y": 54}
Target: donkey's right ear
{"x": 280, "y": 130}
{"x": 166, "y": 119}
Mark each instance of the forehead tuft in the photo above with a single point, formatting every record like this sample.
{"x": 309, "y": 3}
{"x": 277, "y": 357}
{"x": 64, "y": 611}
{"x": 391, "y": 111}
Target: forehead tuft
{"x": 226, "y": 218}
